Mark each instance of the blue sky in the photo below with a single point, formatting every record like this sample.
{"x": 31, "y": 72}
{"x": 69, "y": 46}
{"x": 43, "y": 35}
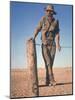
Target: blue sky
{"x": 24, "y": 18}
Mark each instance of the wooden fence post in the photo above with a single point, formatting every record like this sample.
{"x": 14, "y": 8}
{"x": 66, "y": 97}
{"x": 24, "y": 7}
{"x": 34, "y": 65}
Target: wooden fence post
{"x": 32, "y": 68}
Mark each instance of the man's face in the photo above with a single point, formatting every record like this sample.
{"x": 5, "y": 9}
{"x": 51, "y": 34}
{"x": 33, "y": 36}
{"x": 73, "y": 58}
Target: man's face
{"x": 49, "y": 13}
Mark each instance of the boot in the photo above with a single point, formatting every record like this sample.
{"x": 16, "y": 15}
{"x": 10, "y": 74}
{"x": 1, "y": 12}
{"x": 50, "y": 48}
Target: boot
{"x": 52, "y": 83}
{"x": 52, "y": 80}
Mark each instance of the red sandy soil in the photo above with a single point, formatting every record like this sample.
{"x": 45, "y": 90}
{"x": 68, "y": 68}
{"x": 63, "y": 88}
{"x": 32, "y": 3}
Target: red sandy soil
{"x": 19, "y": 82}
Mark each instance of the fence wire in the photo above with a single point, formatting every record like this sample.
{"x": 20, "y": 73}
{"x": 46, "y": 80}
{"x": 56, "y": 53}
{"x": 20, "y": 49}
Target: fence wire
{"x": 61, "y": 46}
{"x": 65, "y": 55}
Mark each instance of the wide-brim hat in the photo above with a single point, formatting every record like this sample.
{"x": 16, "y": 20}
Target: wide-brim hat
{"x": 51, "y": 8}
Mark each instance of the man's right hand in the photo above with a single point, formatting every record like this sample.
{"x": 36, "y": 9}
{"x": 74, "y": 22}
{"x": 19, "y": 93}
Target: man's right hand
{"x": 34, "y": 39}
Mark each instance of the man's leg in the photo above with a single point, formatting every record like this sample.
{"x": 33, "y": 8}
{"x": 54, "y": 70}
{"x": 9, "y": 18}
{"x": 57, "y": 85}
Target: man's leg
{"x": 50, "y": 67}
{"x": 47, "y": 75}
{"x": 44, "y": 54}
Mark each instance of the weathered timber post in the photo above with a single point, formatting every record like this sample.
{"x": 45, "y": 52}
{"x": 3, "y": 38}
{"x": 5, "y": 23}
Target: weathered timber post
{"x": 32, "y": 68}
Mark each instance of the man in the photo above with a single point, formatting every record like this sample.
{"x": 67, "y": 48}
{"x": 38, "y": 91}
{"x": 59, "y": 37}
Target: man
{"x": 49, "y": 28}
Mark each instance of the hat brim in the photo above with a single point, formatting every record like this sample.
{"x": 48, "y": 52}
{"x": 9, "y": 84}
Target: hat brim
{"x": 50, "y": 10}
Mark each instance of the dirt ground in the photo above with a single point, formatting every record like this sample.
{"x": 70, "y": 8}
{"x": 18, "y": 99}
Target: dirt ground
{"x": 19, "y": 82}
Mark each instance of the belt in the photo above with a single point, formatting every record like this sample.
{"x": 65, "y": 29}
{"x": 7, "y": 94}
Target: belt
{"x": 48, "y": 42}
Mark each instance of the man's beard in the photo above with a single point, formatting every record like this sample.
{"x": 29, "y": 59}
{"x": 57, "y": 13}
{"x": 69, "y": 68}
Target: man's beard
{"x": 50, "y": 15}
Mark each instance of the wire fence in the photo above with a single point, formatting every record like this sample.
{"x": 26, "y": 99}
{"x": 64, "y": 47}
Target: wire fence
{"x": 61, "y": 46}
{"x": 62, "y": 58}
{"x": 63, "y": 77}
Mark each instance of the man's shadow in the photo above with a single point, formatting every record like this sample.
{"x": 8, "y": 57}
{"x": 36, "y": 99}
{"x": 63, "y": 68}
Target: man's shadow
{"x": 57, "y": 84}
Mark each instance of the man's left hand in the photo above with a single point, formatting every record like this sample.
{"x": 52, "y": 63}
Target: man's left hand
{"x": 58, "y": 47}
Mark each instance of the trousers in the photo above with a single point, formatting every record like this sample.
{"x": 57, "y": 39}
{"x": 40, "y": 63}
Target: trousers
{"x": 48, "y": 53}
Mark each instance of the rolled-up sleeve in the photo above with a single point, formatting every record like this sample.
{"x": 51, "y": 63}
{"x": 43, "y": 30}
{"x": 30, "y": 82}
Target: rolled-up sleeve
{"x": 38, "y": 28}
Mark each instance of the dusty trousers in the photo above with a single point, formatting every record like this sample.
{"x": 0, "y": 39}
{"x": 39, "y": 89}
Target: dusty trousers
{"x": 48, "y": 53}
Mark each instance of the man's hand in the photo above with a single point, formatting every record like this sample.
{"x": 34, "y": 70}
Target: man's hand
{"x": 58, "y": 47}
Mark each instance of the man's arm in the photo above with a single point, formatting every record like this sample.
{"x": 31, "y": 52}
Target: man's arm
{"x": 38, "y": 29}
{"x": 57, "y": 38}
{"x": 58, "y": 41}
